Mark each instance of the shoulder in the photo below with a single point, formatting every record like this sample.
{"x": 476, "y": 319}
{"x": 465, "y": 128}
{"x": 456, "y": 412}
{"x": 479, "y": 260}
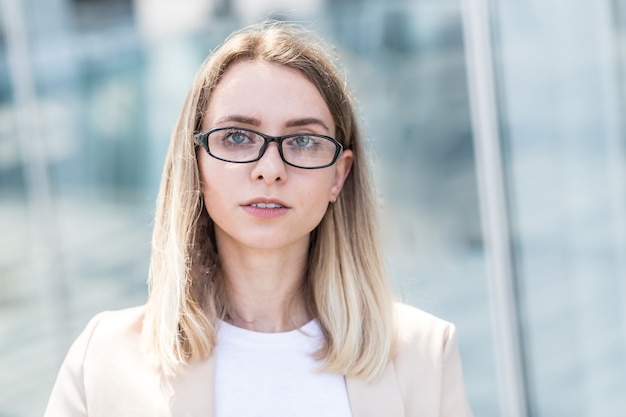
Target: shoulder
{"x": 116, "y": 323}
{"x": 112, "y": 338}
{"x": 110, "y": 348}
{"x": 427, "y": 364}
{"x": 417, "y": 326}
{"x": 105, "y": 363}
{"x": 422, "y": 337}
{"x": 108, "y": 328}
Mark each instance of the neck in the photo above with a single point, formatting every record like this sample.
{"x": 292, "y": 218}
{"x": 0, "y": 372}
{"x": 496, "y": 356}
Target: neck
{"x": 265, "y": 288}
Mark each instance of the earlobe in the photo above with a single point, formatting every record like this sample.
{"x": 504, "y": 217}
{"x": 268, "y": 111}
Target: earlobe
{"x": 342, "y": 170}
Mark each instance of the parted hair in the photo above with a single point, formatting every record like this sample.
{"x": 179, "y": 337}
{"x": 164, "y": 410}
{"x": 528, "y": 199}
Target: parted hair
{"x": 345, "y": 285}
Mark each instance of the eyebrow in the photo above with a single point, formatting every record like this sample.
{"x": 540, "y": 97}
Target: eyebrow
{"x": 306, "y": 122}
{"x": 238, "y": 119}
{"x": 252, "y": 121}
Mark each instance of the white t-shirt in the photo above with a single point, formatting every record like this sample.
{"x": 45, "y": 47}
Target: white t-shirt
{"x": 274, "y": 375}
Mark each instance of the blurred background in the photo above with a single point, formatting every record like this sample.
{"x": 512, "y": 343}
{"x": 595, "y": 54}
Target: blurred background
{"x": 498, "y": 131}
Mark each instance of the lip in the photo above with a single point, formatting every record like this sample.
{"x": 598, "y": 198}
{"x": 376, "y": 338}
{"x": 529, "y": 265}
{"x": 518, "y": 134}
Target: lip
{"x": 265, "y": 207}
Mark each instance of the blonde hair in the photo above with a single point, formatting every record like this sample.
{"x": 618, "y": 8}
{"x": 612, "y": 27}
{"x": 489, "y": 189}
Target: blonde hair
{"x": 346, "y": 287}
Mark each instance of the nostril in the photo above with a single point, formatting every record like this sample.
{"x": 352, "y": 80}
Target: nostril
{"x": 262, "y": 177}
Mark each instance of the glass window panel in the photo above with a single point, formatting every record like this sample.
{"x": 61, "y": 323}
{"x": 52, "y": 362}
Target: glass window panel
{"x": 563, "y": 117}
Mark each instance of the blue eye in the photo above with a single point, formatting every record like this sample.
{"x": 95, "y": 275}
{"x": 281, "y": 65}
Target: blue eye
{"x": 238, "y": 138}
{"x": 302, "y": 141}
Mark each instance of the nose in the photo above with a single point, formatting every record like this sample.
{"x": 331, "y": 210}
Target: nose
{"x": 270, "y": 168}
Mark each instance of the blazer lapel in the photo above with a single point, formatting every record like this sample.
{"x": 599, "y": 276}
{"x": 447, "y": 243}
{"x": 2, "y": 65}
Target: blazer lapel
{"x": 381, "y": 397}
{"x": 194, "y": 391}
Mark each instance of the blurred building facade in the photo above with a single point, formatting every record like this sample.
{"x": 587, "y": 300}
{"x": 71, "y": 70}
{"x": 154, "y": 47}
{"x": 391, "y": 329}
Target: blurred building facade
{"x": 498, "y": 131}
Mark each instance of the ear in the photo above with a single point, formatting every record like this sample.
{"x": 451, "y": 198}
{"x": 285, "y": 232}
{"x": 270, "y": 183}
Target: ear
{"x": 342, "y": 169}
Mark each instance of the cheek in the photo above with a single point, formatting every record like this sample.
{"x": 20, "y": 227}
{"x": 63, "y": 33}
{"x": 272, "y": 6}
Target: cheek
{"x": 213, "y": 174}
{"x": 318, "y": 198}
{"x": 216, "y": 200}
{"x": 213, "y": 182}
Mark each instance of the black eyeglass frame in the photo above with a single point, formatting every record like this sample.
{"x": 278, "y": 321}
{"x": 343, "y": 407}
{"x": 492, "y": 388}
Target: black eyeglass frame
{"x": 202, "y": 139}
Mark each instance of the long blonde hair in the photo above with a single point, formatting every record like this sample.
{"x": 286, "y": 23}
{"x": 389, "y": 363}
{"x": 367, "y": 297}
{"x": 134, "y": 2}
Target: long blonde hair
{"x": 346, "y": 287}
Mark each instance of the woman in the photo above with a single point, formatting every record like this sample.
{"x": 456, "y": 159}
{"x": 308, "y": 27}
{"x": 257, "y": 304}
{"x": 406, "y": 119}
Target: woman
{"x": 267, "y": 290}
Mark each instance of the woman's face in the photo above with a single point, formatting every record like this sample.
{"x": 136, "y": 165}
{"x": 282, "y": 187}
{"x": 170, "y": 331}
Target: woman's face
{"x": 268, "y": 204}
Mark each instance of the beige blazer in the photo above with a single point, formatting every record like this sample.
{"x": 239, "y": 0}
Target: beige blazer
{"x": 106, "y": 374}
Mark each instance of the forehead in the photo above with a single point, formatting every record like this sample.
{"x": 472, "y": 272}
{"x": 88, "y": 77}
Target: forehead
{"x": 268, "y": 93}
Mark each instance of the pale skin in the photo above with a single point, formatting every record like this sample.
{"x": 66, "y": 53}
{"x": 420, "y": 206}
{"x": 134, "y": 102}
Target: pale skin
{"x": 263, "y": 250}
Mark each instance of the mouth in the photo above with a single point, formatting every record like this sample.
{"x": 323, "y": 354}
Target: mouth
{"x": 267, "y": 205}
{"x": 266, "y": 208}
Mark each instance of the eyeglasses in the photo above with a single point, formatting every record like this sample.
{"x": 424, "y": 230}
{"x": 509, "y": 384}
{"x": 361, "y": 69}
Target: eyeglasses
{"x": 240, "y": 145}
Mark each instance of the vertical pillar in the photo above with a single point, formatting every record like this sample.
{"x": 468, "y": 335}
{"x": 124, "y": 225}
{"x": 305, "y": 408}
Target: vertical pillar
{"x": 493, "y": 204}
